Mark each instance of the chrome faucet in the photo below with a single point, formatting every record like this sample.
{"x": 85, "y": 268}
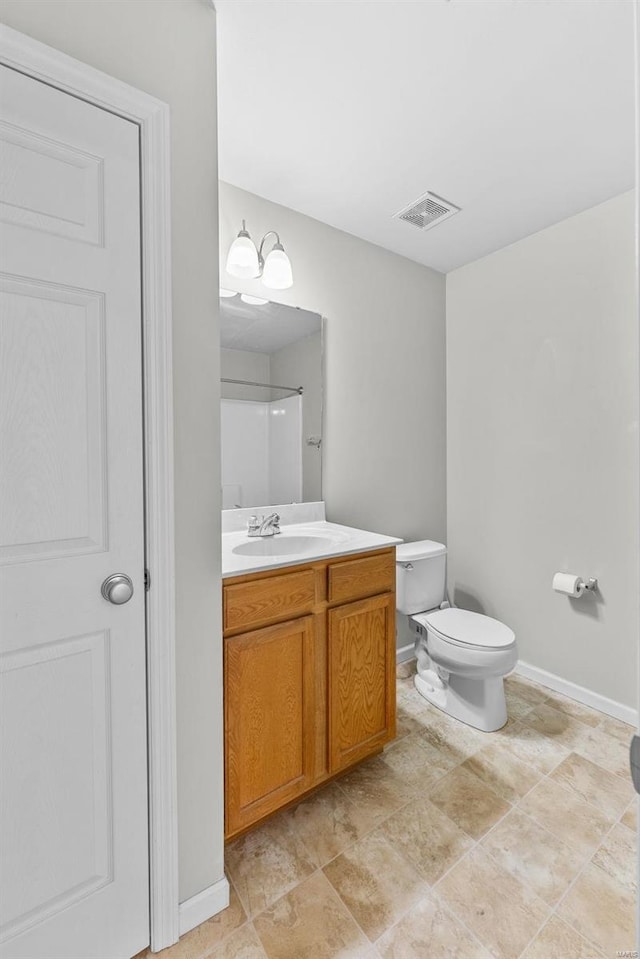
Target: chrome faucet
{"x": 268, "y": 526}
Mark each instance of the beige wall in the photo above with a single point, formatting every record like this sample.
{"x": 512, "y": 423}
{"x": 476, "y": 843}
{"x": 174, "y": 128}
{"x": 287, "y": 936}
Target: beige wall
{"x": 384, "y": 419}
{"x": 167, "y": 49}
{"x": 542, "y": 406}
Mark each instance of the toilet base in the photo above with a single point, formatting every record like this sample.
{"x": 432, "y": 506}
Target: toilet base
{"x": 479, "y": 703}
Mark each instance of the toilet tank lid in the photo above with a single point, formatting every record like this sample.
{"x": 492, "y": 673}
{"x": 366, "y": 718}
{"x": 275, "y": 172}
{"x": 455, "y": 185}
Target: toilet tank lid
{"x": 424, "y": 549}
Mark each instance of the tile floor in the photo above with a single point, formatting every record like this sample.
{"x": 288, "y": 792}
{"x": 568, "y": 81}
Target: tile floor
{"x": 453, "y": 843}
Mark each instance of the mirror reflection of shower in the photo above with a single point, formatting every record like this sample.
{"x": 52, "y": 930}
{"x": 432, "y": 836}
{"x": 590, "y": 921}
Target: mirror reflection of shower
{"x": 271, "y": 403}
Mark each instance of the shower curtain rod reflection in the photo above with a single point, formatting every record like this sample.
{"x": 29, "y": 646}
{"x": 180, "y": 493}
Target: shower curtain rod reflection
{"x": 269, "y": 386}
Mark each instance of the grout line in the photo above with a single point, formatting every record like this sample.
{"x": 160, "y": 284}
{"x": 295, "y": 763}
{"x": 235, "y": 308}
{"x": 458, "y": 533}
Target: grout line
{"x": 478, "y": 843}
{"x": 369, "y": 942}
{"x": 588, "y": 857}
{"x": 551, "y": 910}
{"x": 246, "y": 922}
{"x": 432, "y": 886}
{"x": 583, "y": 870}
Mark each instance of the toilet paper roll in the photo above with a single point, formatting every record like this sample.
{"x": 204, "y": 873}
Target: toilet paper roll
{"x": 568, "y": 584}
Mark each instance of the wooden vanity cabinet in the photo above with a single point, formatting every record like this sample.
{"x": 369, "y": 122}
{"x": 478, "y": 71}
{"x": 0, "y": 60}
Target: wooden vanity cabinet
{"x": 309, "y": 678}
{"x": 361, "y": 681}
{"x": 269, "y": 724}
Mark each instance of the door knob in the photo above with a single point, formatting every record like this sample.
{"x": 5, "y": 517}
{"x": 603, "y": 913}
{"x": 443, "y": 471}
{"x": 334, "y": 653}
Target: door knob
{"x": 117, "y": 589}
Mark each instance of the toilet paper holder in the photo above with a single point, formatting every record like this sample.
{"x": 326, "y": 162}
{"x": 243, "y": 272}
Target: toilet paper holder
{"x": 572, "y": 585}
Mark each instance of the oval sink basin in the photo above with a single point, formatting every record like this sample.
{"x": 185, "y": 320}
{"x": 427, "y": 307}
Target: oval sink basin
{"x": 282, "y": 545}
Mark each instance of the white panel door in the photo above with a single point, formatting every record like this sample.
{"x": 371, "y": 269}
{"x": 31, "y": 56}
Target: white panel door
{"x": 73, "y": 793}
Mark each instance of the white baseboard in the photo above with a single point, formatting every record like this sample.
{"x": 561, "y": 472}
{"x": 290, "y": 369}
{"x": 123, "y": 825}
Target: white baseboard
{"x": 204, "y": 905}
{"x": 582, "y": 695}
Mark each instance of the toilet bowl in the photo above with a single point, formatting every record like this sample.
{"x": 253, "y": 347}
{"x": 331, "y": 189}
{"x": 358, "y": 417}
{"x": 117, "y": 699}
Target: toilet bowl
{"x": 461, "y": 656}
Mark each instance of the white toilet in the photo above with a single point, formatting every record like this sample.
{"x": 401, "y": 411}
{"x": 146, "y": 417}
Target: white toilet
{"x": 462, "y": 656}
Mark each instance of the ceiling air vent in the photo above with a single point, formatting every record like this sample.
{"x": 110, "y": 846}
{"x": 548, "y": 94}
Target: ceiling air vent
{"x": 427, "y": 211}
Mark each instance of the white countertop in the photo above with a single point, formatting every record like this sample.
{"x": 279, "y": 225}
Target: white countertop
{"x": 333, "y": 540}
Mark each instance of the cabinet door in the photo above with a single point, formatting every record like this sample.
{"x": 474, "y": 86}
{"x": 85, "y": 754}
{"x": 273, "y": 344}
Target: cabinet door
{"x": 361, "y": 679}
{"x": 269, "y": 712}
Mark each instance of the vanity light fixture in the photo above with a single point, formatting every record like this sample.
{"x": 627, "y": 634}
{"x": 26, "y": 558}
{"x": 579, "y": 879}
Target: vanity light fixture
{"x": 242, "y": 259}
{"x": 247, "y": 262}
{"x": 227, "y": 293}
{"x": 253, "y": 300}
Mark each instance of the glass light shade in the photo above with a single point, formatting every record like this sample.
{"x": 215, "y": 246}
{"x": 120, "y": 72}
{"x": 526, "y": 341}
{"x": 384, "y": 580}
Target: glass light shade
{"x": 277, "y": 273}
{"x": 253, "y": 300}
{"x": 225, "y": 293}
{"x": 242, "y": 260}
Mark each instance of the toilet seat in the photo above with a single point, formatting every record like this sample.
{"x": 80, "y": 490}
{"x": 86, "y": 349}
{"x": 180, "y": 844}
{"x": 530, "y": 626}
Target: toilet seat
{"x": 460, "y": 627}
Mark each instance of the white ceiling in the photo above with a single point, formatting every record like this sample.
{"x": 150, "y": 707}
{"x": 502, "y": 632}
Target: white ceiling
{"x": 263, "y": 329}
{"x": 518, "y": 111}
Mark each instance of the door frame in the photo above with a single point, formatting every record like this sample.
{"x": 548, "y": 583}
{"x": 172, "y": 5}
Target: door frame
{"x": 44, "y": 63}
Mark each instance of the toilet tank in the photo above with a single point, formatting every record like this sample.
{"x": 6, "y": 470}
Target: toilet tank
{"x": 420, "y": 576}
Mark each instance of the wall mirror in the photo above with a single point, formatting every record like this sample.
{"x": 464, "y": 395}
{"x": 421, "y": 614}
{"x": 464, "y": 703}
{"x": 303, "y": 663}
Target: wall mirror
{"x": 271, "y": 402}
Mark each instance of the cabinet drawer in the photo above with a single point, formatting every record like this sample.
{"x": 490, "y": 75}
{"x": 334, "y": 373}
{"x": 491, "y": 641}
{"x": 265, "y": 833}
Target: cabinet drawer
{"x": 268, "y": 600}
{"x": 362, "y": 577}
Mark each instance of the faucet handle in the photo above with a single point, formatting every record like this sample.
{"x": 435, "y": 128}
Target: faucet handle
{"x": 253, "y": 525}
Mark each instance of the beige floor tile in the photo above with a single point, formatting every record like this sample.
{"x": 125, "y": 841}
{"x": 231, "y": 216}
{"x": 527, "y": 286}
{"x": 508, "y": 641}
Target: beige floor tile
{"x": 618, "y": 856}
{"x": 406, "y": 670}
{"x": 429, "y": 931}
{"x": 412, "y": 712}
{"x": 630, "y": 818}
{"x": 594, "y": 784}
{"x": 559, "y": 941}
{"x": 602, "y": 910}
{"x": 225, "y": 922}
{"x": 413, "y": 704}
{"x": 266, "y": 863}
{"x": 311, "y": 922}
{"x": 441, "y": 757}
{"x": 508, "y": 727}
{"x": 499, "y": 768}
{"x": 376, "y": 883}
{"x": 417, "y": 764}
{"x": 469, "y": 802}
{"x": 404, "y": 689}
{"x": 533, "y": 747}
{"x": 586, "y": 715}
{"x": 525, "y": 689}
{"x": 241, "y": 944}
{"x": 604, "y": 750}
{"x": 201, "y": 940}
{"x": 534, "y": 855}
{"x": 406, "y": 724}
{"x": 556, "y": 725}
{"x": 427, "y": 838}
{"x": 500, "y": 910}
{"x": 617, "y": 729}
{"x": 517, "y": 707}
{"x": 375, "y": 788}
{"x": 568, "y": 817}
{"x": 456, "y": 738}
{"x": 328, "y": 823}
